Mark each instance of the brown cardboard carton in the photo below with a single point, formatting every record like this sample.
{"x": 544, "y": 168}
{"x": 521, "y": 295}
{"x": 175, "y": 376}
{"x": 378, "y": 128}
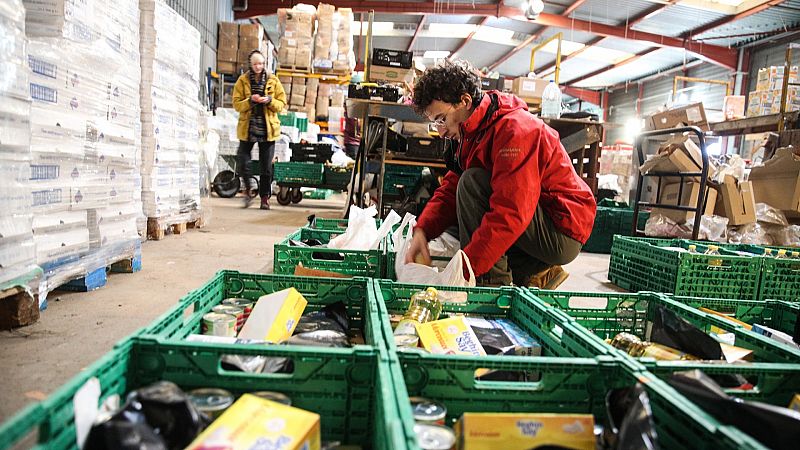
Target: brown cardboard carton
{"x": 393, "y": 74}
{"x": 252, "y": 31}
{"x": 529, "y": 88}
{"x": 297, "y": 99}
{"x": 322, "y": 106}
{"x": 691, "y": 192}
{"x": 249, "y": 44}
{"x": 677, "y": 154}
{"x": 777, "y": 182}
{"x": 303, "y": 57}
{"x": 226, "y": 67}
{"x": 227, "y": 54}
{"x": 243, "y": 56}
{"x": 690, "y": 115}
{"x": 736, "y": 201}
{"x": 229, "y": 29}
{"x": 733, "y": 106}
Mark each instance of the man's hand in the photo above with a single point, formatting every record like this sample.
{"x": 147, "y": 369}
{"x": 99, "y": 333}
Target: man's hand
{"x": 418, "y": 251}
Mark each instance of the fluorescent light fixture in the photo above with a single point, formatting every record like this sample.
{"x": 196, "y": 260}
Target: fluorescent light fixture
{"x": 436, "y": 54}
{"x": 633, "y": 126}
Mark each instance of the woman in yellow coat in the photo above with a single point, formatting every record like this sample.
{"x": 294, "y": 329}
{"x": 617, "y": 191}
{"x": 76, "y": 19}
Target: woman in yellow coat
{"x": 258, "y": 96}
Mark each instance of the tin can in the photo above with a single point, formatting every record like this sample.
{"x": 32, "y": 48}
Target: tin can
{"x": 234, "y": 311}
{"x": 273, "y": 396}
{"x": 216, "y": 324}
{"x": 434, "y": 437}
{"x": 406, "y": 340}
{"x": 427, "y": 411}
{"x": 245, "y": 304}
{"x": 212, "y": 402}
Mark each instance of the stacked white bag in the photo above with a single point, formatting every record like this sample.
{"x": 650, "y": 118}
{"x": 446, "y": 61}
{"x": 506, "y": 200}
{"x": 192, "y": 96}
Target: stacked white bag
{"x": 17, "y": 251}
{"x": 85, "y": 134}
{"x": 170, "y": 62}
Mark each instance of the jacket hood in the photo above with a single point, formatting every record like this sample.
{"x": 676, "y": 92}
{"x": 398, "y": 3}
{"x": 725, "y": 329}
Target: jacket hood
{"x": 493, "y": 105}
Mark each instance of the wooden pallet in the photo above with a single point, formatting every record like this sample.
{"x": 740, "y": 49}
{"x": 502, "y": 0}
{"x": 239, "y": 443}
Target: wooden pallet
{"x": 159, "y": 228}
{"x": 297, "y": 69}
{"x": 18, "y": 308}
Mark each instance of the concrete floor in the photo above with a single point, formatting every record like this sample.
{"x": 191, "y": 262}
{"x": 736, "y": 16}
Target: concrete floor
{"x": 77, "y": 328}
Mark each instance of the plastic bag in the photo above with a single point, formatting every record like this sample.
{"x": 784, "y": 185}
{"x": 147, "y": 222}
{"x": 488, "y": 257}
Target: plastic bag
{"x": 773, "y": 426}
{"x": 630, "y": 419}
{"x": 788, "y": 236}
{"x": 324, "y": 328}
{"x": 734, "y": 167}
{"x": 712, "y": 228}
{"x": 452, "y": 275}
{"x": 444, "y": 245}
{"x": 362, "y": 233}
{"x": 752, "y": 233}
{"x": 673, "y": 331}
{"x": 770, "y": 215}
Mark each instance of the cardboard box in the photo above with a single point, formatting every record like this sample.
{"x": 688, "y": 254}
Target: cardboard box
{"x": 227, "y": 54}
{"x": 523, "y": 431}
{"x": 677, "y": 154}
{"x": 297, "y": 99}
{"x": 274, "y": 317}
{"x": 303, "y": 57}
{"x": 252, "y": 422}
{"x": 693, "y": 115}
{"x": 777, "y": 182}
{"x": 322, "y": 105}
{"x": 251, "y": 31}
{"x": 529, "y": 88}
{"x": 392, "y": 74}
{"x": 228, "y": 29}
{"x": 733, "y": 106}
{"x": 691, "y": 192}
{"x": 286, "y": 56}
{"x": 451, "y": 336}
{"x": 243, "y": 55}
{"x": 249, "y": 44}
{"x": 226, "y": 67}
{"x": 736, "y": 201}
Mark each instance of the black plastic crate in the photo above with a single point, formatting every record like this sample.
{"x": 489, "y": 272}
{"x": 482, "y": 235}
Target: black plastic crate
{"x": 318, "y": 153}
{"x": 381, "y": 93}
{"x": 425, "y": 148}
{"x": 487, "y": 84}
{"x": 392, "y": 58}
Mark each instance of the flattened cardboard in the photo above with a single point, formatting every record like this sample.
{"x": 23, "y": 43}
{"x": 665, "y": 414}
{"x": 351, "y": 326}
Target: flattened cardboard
{"x": 736, "y": 201}
{"x": 691, "y": 191}
{"x": 777, "y": 182}
{"x": 690, "y": 115}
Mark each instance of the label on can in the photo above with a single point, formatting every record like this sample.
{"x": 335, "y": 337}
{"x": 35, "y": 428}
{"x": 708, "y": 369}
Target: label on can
{"x": 406, "y": 340}
{"x": 434, "y": 437}
{"x": 428, "y": 411}
{"x": 212, "y": 402}
{"x": 273, "y": 396}
{"x": 245, "y": 304}
{"x": 234, "y": 311}
{"x": 216, "y": 324}
{"x": 406, "y": 326}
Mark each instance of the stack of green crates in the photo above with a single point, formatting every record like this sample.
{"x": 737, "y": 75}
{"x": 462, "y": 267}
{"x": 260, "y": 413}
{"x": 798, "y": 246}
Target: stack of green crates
{"x": 309, "y": 174}
{"x": 290, "y": 119}
{"x": 780, "y": 277}
{"x": 366, "y": 263}
{"x": 612, "y": 218}
{"x": 397, "y": 175}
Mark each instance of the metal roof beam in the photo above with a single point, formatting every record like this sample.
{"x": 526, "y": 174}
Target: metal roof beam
{"x": 726, "y": 20}
{"x": 544, "y": 70}
{"x": 586, "y": 95}
{"x": 469, "y": 38}
{"x": 416, "y": 32}
{"x": 269, "y": 7}
{"x": 573, "y": 7}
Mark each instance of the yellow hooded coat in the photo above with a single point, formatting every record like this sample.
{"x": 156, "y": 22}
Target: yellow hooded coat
{"x": 242, "y": 104}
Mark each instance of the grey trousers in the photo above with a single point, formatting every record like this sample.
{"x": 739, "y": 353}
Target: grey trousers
{"x": 541, "y": 245}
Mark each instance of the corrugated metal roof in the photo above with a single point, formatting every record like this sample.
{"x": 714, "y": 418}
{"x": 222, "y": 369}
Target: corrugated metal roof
{"x": 505, "y": 23}
{"x": 569, "y": 35}
{"x": 450, "y": 18}
{"x": 426, "y": 43}
{"x": 611, "y": 12}
{"x": 677, "y": 19}
{"x": 651, "y": 63}
{"x": 623, "y": 45}
{"x": 482, "y": 54}
{"x": 577, "y": 67}
{"x": 786, "y": 15}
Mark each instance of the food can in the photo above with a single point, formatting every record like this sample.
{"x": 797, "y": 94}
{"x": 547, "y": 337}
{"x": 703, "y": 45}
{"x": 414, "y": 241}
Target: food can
{"x": 216, "y": 324}
{"x": 406, "y": 340}
{"x": 212, "y": 402}
{"x": 434, "y": 437}
{"x": 234, "y": 311}
{"x": 427, "y": 411}
{"x": 245, "y": 304}
{"x": 273, "y": 396}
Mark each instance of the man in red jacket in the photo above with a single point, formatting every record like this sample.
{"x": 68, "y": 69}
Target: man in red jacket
{"x": 521, "y": 209}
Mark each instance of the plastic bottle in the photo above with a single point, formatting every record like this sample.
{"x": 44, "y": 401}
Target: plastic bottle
{"x": 551, "y": 101}
{"x": 634, "y": 346}
{"x": 781, "y": 254}
{"x": 425, "y": 307}
{"x": 713, "y": 250}
{"x": 692, "y": 248}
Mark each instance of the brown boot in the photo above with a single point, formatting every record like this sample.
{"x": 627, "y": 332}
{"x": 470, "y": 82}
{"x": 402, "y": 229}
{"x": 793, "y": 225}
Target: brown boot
{"x": 264, "y": 202}
{"x": 549, "y": 278}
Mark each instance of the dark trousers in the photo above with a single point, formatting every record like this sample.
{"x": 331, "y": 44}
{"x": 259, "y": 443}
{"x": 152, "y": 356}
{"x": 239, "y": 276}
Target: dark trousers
{"x": 266, "y": 152}
{"x": 541, "y": 245}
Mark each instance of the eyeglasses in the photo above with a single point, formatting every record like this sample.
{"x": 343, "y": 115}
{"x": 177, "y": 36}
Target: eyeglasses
{"x": 440, "y": 121}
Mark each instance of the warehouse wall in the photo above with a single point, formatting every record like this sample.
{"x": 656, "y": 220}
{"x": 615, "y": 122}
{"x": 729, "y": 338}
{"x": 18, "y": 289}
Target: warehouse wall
{"x": 621, "y": 108}
{"x": 204, "y": 15}
{"x": 769, "y": 56}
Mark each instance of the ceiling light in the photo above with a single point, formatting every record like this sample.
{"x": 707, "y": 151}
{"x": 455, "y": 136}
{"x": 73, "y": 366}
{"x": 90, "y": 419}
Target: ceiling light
{"x": 436, "y": 54}
{"x": 535, "y": 7}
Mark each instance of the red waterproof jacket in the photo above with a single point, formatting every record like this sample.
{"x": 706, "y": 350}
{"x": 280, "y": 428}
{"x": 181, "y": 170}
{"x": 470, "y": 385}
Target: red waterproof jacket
{"x": 528, "y": 166}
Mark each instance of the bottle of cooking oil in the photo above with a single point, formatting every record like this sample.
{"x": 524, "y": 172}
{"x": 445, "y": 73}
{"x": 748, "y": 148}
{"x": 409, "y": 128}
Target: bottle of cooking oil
{"x": 781, "y": 254}
{"x": 713, "y": 250}
{"x": 692, "y": 248}
{"x": 634, "y": 346}
{"x": 425, "y": 307}
{"x": 795, "y": 254}
{"x": 767, "y": 252}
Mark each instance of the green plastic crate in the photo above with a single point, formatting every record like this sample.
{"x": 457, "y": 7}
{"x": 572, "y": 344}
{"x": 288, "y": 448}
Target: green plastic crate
{"x": 394, "y": 175}
{"x": 780, "y": 278}
{"x": 290, "y": 119}
{"x": 610, "y": 221}
{"x": 338, "y": 225}
{"x": 776, "y": 314}
{"x": 356, "y": 293}
{"x": 368, "y": 263}
{"x": 336, "y": 177}
{"x": 349, "y": 390}
{"x": 567, "y": 385}
{"x": 642, "y": 264}
{"x": 310, "y": 174}
{"x": 776, "y": 372}
{"x": 318, "y": 194}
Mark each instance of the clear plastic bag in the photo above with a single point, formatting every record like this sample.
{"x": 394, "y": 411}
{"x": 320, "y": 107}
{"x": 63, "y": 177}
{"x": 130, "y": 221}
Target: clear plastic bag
{"x": 768, "y": 214}
{"x": 752, "y": 233}
{"x": 362, "y": 233}
{"x": 712, "y": 228}
{"x": 788, "y": 236}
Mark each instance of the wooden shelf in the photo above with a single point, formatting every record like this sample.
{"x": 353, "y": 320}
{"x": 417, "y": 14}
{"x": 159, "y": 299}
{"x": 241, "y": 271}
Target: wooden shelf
{"x": 323, "y": 77}
{"x": 408, "y": 162}
{"x": 357, "y": 107}
{"x": 751, "y": 125}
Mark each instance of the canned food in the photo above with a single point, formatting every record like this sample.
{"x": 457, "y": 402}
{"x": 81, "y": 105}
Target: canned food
{"x": 216, "y": 324}
{"x": 406, "y": 340}
{"x": 212, "y": 402}
{"x": 245, "y": 304}
{"x": 273, "y": 396}
{"x": 427, "y": 411}
{"x": 434, "y": 437}
{"x": 234, "y": 311}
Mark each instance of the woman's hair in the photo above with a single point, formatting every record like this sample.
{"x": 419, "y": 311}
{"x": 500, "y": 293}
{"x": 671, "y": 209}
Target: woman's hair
{"x": 255, "y": 52}
{"x": 446, "y": 82}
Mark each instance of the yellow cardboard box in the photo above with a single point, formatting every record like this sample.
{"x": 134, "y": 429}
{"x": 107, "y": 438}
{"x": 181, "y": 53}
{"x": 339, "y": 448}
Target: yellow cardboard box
{"x": 736, "y": 201}
{"x": 253, "y": 422}
{"x": 450, "y": 337}
{"x": 274, "y": 317}
{"x": 521, "y": 431}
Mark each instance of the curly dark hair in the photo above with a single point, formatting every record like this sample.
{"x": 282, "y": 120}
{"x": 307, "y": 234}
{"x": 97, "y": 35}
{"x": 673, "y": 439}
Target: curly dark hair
{"x": 446, "y": 82}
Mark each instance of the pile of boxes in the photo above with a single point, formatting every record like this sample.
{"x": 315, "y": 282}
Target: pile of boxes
{"x": 234, "y": 44}
{"x": 297, "y": 32}
{"x": 529, "y": 89}
{"x": 313, "y": 97}
{"x": 170, "y": 113}
{"x": 766, "y": 99}
{"x": 85, "y": 143}
{"x": 17, "y": 251}
{"x": 392, "y": 66}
